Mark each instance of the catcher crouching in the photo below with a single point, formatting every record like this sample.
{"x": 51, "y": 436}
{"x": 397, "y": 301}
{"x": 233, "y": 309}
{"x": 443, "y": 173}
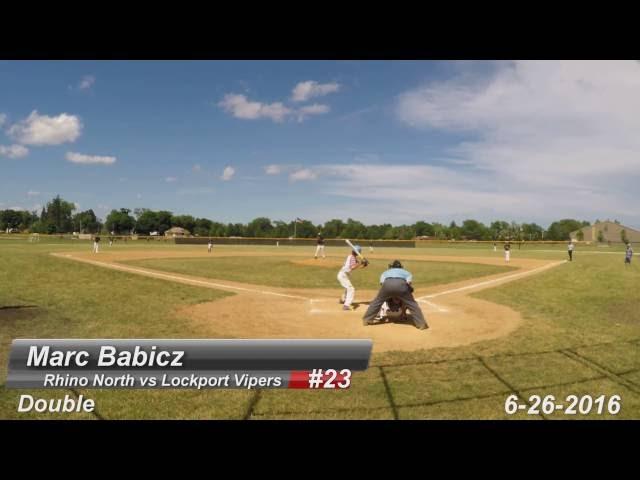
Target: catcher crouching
{"x": 396, "y": 285}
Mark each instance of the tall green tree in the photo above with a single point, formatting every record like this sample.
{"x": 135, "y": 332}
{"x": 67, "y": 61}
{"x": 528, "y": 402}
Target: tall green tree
{"x": 561, "y": 229}
{"x": 57, "y": 216}
{"x": 183, "y": 221}
{"x": 333, "y": 228}
{"x": 260, "y": 227}
{"x": 473, "y": 230}
{"x": 353, "y": 229}
{"x": 86, "y": 222}
{"x": 423, "y": 229}
{"x": 146, "y": 221}
{"x": 120, "y": 222}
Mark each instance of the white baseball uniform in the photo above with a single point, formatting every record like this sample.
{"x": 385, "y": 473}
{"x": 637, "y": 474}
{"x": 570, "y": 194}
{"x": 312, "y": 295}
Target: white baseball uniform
{"x": 345, "y": 280}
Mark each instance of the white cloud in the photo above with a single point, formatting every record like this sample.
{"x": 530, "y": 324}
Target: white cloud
{"x": 304, "y": 91}
{"x": 228, "y": 173}
{"x": 39, "y": 129}
{"x": 76, "y": 205}
{"x": 196, "y": 167}
{"x": 303, "y": 174}
{"x": 547, "y": 137}
{"x": 89, "y": 159}
{"x": 170, "y": 179}
{"x": 315, "y": 109}
{"x": 273, "y": 169}
{"x": 139, "y": 196}
{"x": 32, "y": 193}
{"x": 3, "y": 118}
{"x": 87, "y": 82}
{"x": 13, "y": 151}
{"x": 241, "y": 107}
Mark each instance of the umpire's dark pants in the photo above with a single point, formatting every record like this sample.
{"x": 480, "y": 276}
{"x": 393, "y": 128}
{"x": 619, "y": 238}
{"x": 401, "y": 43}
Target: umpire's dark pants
{"x": 399, "y": 288}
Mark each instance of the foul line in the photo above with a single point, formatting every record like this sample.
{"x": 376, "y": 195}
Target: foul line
{"x": 433, "y": 305}
{"x": 165, "y": 276}
{"x": 495, "y": 280}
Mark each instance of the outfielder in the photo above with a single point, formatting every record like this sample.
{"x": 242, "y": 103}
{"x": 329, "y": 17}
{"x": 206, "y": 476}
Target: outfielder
{"x": 628, "y": 254}
{"x": 96, "y": 244}
{"x": 570, "y": 250}
{"x": 209, "y": 245}
{"x": 507, "y": 251}
{"x": 319, "y": 247}
{"x": 344, "y": 277}
{"x": 396, "y": 283}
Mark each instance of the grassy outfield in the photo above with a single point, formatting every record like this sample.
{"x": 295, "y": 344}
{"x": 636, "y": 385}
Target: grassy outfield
{"x": 66, "y": 299}
{"x": 581, "y": 335}
{"x": 282, "y": 272}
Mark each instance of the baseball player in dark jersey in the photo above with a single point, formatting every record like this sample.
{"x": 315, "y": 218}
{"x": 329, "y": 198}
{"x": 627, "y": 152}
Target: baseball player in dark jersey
{"x": 319, "y": 246}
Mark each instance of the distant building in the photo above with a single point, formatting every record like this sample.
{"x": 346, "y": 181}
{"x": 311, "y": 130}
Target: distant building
{"x": 177, "y": 232}
{"x": 608, "y": 232}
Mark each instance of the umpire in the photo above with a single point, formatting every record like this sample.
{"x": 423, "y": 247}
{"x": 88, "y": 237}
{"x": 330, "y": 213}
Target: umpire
{"x": 396, "y": 283}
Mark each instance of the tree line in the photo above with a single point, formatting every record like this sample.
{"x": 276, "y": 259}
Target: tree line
{"x": 60, "y": 216}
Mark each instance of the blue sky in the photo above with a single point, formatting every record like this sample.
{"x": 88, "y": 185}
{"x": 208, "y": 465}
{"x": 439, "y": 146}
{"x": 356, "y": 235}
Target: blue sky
{"x": 383, "y": 142}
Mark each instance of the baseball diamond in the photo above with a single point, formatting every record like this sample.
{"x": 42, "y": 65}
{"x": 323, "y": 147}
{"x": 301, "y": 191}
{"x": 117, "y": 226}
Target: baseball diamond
{"x": 481, "y": 324}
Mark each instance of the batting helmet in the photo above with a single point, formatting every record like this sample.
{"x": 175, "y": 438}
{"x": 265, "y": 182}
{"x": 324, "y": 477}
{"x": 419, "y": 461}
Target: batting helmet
{"x": 395, "y": 264}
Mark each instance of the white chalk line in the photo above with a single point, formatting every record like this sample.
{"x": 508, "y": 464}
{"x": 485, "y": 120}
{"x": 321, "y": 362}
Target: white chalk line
{"x": 495, "y": 280}
{"x": 434, "y": 306}
{"x": 166, "y": 276}
{"x": 208, "y": 284}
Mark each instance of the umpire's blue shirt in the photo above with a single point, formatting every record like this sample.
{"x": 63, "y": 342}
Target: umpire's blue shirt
{"x": 396, "y": 273}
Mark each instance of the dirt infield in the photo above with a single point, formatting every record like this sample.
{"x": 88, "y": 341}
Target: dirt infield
{"x": 257, "y": 311}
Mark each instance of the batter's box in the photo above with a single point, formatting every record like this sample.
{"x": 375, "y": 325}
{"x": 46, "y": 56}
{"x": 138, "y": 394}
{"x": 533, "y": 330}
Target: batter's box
{"x": 540, "y": 369}
{"x": 420, "y": 384}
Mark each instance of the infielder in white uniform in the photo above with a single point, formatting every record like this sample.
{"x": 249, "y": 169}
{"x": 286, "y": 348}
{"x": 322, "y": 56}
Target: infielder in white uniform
{"x": 507, "y": 252}
{"x": 96, "y": 244}
{"x": 209, "y": 245}
{"x": 344, "y": 277}
{"x": 319, "y": 247}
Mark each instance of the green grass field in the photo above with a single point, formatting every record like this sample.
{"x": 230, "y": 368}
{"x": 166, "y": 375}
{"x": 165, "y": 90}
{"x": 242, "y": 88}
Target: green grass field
{"x": 281, "y": 272}
{"x": 581, "y": 335}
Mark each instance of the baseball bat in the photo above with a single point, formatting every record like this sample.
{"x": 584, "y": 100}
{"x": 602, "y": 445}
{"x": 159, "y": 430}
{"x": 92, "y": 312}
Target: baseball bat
{"x": 354, "y": 249}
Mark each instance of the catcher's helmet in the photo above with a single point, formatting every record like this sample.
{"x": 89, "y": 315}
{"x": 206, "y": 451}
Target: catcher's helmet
{"x": 395, "y": 264}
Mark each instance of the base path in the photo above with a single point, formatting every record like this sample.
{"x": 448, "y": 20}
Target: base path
{"x": 454, "y": 317}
